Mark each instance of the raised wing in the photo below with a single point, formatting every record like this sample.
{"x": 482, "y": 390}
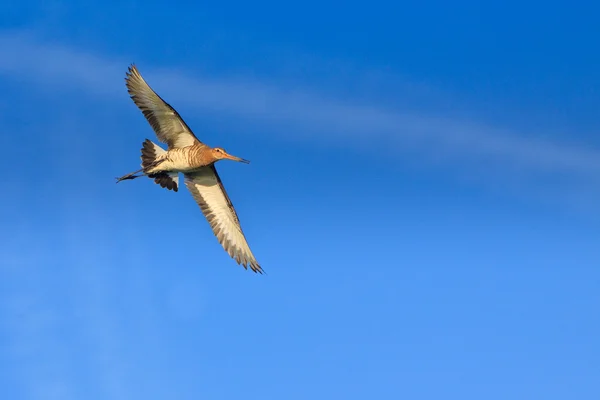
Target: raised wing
{"x": 166, "y": 122}
{"x": 208, "y": 191}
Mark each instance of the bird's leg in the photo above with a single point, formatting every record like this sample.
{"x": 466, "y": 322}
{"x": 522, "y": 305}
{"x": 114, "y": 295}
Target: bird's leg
{"x": 131, "y": 175}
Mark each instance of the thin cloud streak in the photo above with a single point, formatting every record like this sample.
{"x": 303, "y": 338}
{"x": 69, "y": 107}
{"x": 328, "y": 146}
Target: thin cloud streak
{"x": 23, "y": 56}
{"x": 86, "y": 317}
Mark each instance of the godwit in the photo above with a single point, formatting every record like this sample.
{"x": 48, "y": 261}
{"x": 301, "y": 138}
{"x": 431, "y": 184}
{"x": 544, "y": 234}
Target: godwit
{"x": 196, "y": 160}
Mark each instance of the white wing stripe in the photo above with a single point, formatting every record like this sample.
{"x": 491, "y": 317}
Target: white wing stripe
{"x": 168, "y": 125}
{"x": 210, "y": 195}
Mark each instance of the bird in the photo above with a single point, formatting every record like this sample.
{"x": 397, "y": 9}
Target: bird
{"x": 186, "y": 154}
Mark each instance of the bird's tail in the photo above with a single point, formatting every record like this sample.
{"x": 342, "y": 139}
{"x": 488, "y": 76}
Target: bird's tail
{"x": 151, "y": 153}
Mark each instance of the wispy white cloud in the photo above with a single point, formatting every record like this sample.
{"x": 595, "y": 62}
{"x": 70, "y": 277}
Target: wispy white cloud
{"x": 52, "y": 295}
{"x": 80, "y": 312}
{"x": 40, "y": 363}
{"x": 311, "y": 114}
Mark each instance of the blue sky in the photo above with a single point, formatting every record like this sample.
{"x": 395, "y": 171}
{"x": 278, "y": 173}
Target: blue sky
{"x": 423, "y": 195}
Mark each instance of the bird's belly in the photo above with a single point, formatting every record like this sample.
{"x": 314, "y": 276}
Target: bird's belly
{"x": 175, "y": 161}
{"x": 181, "y": 160}
{"x": 180, "y": 165}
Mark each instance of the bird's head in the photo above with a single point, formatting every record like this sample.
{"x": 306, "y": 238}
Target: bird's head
{"x": 220, "y": 154}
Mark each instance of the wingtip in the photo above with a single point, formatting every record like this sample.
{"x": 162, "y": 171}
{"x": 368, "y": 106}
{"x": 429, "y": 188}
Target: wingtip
{"x": 131, "y": 69}
{"x": 257, "y": 269}
{"x": 254, "y": 267}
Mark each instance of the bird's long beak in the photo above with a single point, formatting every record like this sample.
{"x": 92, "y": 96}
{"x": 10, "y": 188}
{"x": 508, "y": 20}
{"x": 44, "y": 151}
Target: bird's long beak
{"x": 234, "y": 158}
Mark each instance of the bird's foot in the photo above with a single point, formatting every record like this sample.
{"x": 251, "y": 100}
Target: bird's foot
{"x": 128, "y": 176}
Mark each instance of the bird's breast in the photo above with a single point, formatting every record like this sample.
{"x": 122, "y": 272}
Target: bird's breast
{"x": 187, "y": 158}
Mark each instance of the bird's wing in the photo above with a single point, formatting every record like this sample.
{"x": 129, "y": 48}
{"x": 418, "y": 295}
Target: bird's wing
{"x": 168, "y": 125}
{"x": 208, "y": 191}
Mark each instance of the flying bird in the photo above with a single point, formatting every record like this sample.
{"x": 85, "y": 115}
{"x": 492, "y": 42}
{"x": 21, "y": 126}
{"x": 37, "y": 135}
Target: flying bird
{"x": 196, "y": 160}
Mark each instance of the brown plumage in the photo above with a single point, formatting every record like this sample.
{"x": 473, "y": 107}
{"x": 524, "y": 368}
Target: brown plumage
{"x": 196, "y": 160}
